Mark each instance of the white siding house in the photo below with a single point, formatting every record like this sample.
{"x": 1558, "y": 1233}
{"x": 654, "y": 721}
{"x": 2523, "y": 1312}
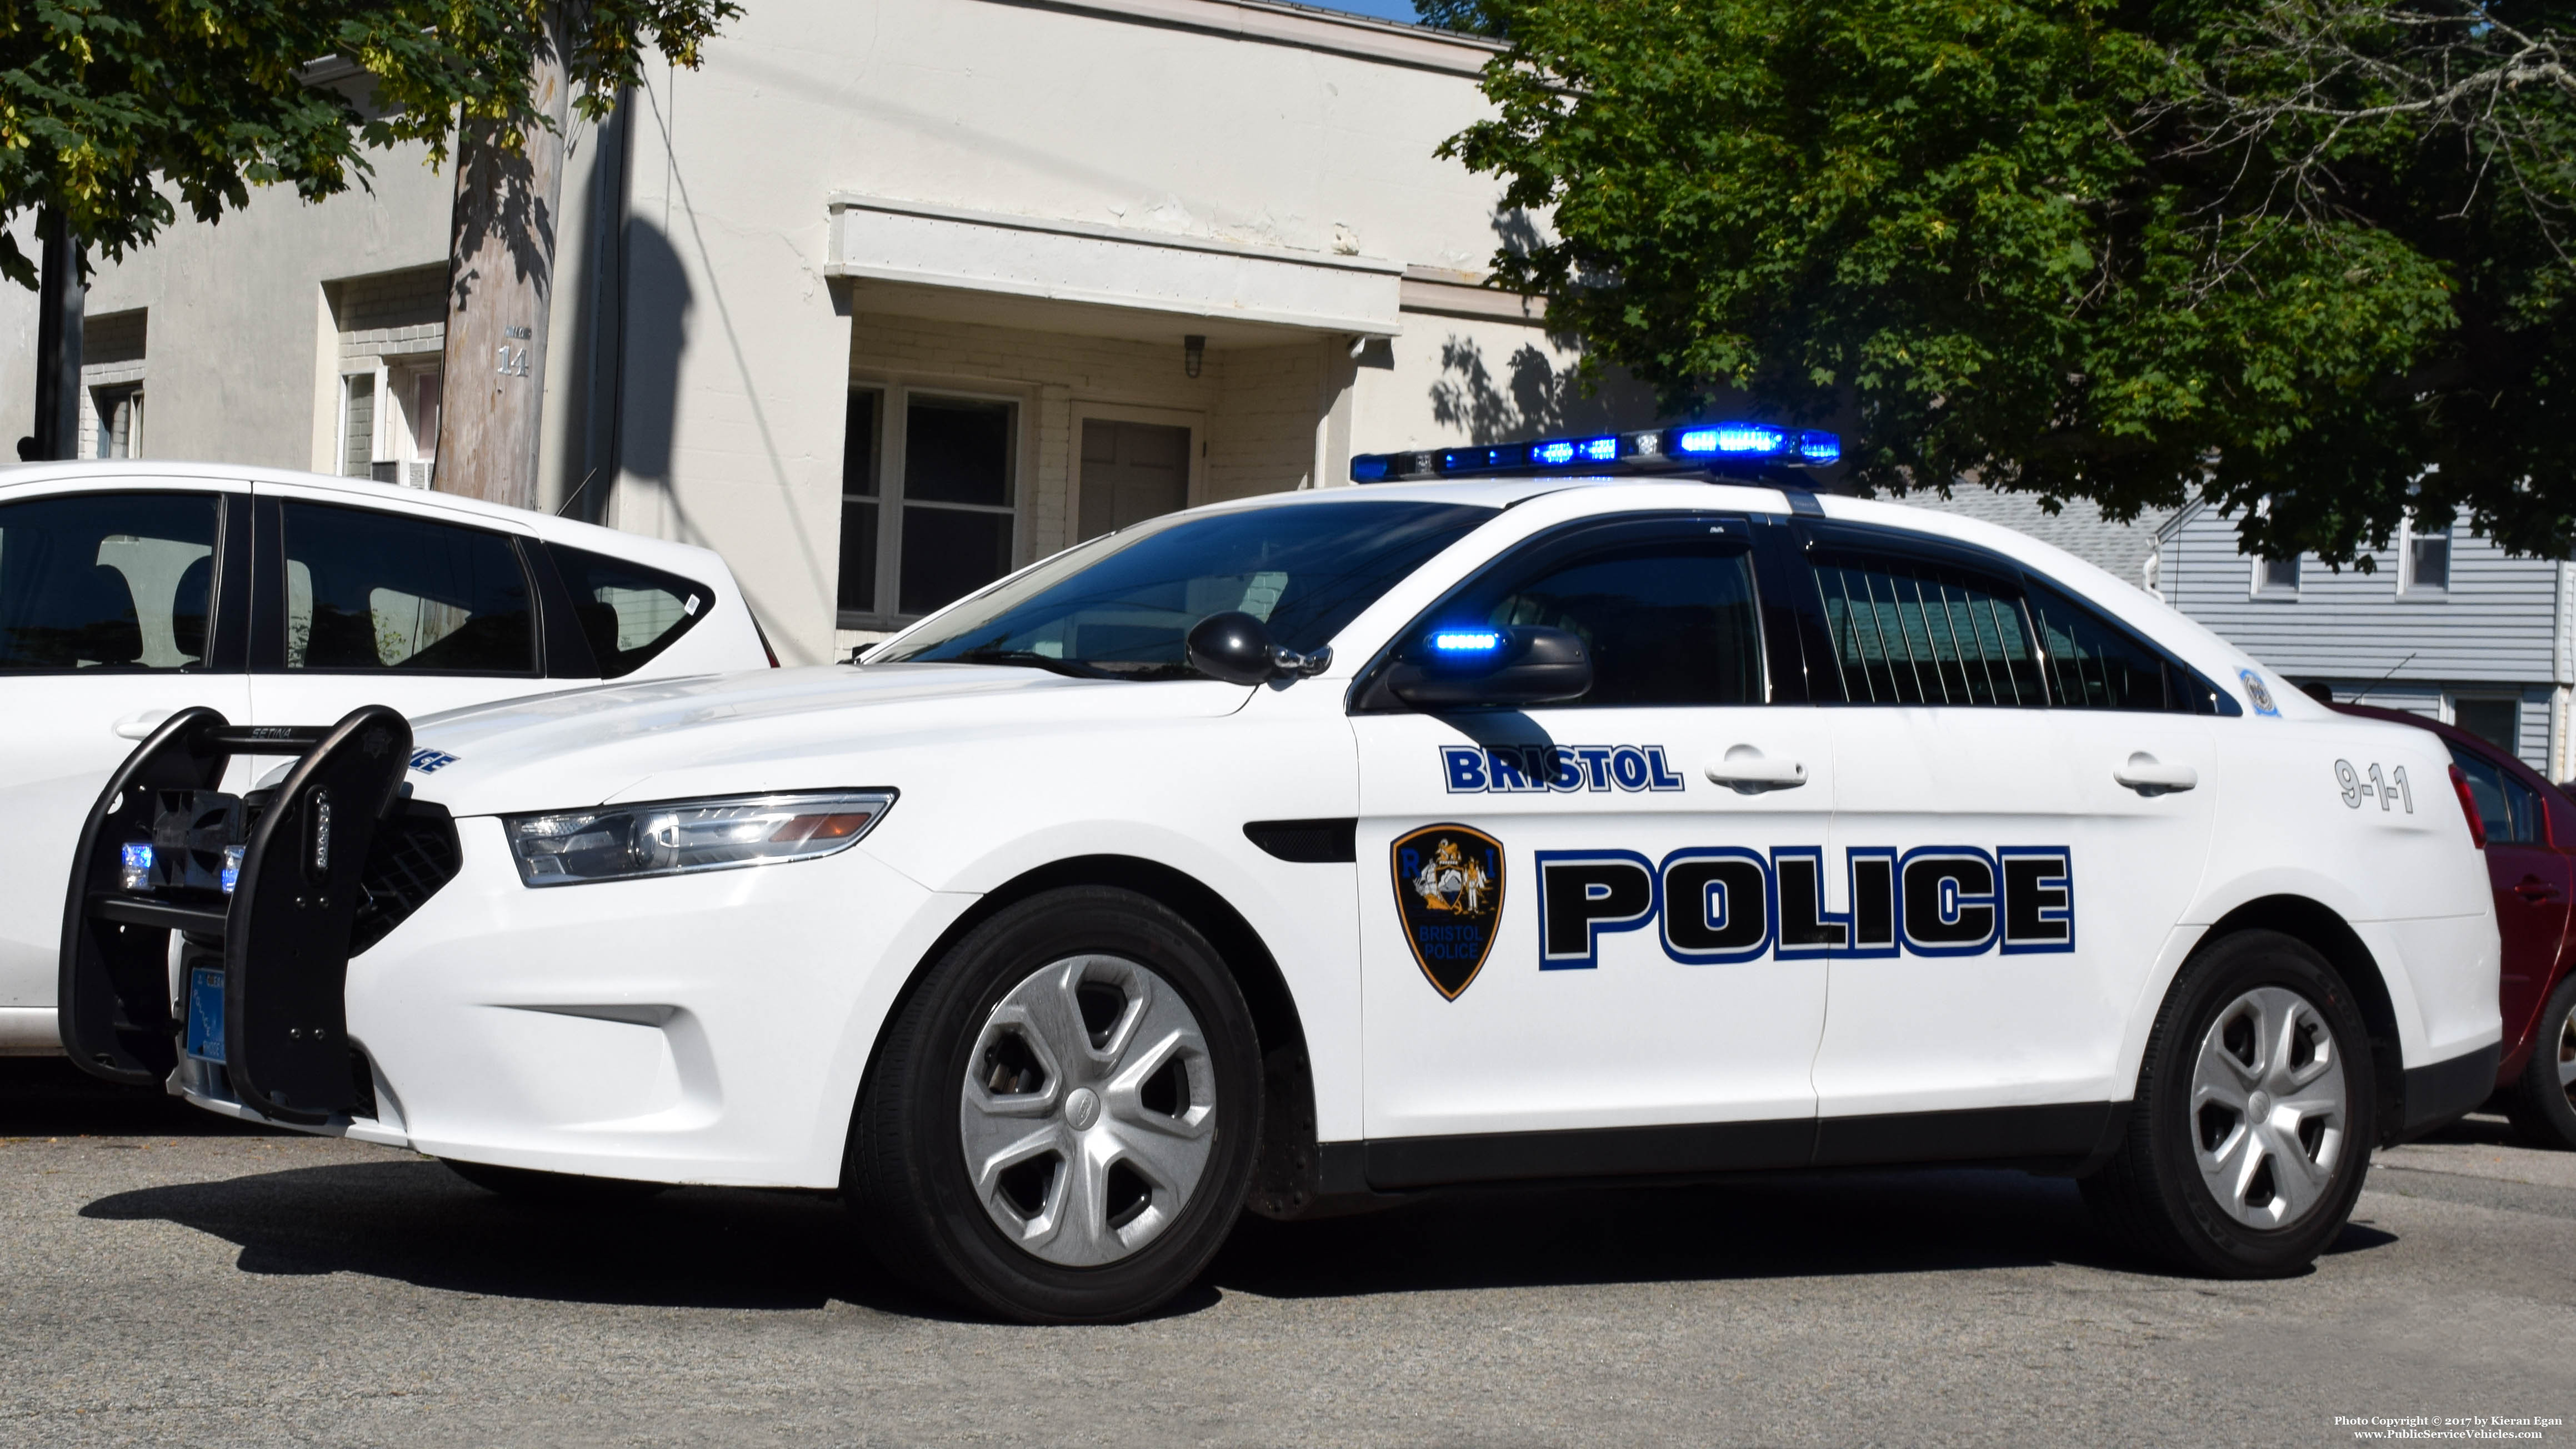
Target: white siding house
{"x": 2445, "y": 624}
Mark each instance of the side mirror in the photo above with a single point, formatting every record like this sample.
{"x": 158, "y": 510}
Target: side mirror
{"x": 1235, "y": 647}
{"x": 1522, "y": 664}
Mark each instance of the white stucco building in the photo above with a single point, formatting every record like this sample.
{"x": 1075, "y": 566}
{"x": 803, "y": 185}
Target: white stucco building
{"x": 895, "y": 294}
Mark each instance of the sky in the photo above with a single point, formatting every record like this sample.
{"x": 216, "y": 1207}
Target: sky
{"x": 1382, "y": 9}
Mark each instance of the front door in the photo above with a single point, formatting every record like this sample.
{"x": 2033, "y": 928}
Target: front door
{"x": 1566, "y": 923}
{"x": 114, "y": 613}
{"x": 2025, "y": 891}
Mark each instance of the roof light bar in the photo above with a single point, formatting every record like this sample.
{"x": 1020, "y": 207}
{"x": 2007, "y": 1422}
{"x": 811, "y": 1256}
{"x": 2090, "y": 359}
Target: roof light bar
{"x": 1666, "y": 450}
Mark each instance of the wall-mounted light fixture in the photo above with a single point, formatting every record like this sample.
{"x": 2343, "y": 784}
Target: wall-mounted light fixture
{"x": 1193, "y": 353}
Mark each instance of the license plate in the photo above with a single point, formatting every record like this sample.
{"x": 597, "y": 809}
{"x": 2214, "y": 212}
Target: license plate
{"x": 206, "y": 1013}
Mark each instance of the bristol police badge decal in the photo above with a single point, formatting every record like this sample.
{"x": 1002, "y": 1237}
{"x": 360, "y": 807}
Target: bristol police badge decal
{"x": 1449, "y": 894}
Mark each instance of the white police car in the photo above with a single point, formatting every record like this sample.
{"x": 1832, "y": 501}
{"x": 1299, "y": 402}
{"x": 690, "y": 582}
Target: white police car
{"x": 1328, "y": 846}
{"x": 131, "y": 590}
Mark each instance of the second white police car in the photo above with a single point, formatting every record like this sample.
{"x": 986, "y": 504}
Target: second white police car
{"x": 1484, "y": 824}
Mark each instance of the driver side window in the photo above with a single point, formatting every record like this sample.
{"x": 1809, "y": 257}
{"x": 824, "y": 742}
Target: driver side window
{"x": 1668, "y": 615}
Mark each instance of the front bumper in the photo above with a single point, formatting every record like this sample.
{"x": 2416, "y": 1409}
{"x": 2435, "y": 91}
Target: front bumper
{"x": 708, "y": 1029}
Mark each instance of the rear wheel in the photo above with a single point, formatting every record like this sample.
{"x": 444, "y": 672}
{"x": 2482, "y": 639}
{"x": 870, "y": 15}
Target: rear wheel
{"x": 1062, "y": 1120}
{"x": 2251, "y": 1129}
{"x": 2542, "y": 1102}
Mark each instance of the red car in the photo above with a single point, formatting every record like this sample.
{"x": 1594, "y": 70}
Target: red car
{"x": 2531, "y": 859}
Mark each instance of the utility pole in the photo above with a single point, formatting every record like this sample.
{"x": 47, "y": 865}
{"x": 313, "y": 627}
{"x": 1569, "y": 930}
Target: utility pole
{"x": 58, "y": 345}
{"x": 500, "y": 289}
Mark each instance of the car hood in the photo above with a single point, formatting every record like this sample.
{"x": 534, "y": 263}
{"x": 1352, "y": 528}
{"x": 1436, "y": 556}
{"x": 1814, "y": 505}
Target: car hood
{"x": 762, "y": 729}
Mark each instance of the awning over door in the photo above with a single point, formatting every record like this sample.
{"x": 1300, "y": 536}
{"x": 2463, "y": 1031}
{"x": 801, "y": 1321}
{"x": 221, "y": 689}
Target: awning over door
{"x": 913, "y": 245}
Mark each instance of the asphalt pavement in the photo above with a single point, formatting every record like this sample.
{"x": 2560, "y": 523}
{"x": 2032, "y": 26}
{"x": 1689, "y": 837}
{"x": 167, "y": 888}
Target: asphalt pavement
{"x": 169, "y": 1278}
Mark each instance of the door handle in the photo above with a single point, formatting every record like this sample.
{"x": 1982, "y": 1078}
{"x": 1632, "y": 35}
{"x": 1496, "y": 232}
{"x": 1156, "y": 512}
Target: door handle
{"x": 139, "y": 724}
{"x": 2536, "y": 890}
{"x": 2149, "y": 777}
{"x": 1748, "y": 771}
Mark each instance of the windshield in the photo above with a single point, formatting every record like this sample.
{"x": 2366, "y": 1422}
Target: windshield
{"x": 1119, "y": 606}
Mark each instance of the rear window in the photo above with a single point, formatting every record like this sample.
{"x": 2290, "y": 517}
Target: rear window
{"x": 628, "y": 612}
{"x": 2506, "y": 807}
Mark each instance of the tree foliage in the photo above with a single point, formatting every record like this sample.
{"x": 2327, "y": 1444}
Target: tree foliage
{"x": 106, "y": 106}
{"x": 2309, "y": 259}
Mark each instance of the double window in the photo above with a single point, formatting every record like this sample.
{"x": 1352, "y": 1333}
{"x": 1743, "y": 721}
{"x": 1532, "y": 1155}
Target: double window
{"x": 929, "y": 501}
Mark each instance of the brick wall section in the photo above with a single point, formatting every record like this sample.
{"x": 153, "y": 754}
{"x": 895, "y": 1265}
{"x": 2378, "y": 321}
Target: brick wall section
{"x": 391, "y": 312}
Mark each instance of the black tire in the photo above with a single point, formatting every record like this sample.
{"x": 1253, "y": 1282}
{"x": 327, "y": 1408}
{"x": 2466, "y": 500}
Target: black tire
{"x": 906, "y": 1175}
{"x": 2541, "y": 1102}
{"x": 2152, "y": 1196}
{"x": 553, "y": 1189}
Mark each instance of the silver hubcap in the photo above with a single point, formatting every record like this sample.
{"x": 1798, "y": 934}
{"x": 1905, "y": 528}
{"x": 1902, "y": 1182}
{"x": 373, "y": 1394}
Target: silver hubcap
{"x": 1089, "y": 1110}
{"x": 2268, "y": 1107}
{"x": 2567, "y": 1057}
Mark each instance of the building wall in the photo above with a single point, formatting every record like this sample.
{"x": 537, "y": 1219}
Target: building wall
{"x": 2500, "y": 630}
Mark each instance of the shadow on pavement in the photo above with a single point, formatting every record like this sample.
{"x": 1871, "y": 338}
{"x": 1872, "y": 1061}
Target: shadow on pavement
{"x": 413, "y": 1221}
{"x": 49, "y": 1097}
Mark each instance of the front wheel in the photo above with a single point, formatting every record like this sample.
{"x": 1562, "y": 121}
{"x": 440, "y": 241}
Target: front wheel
{"x": 2252, "y": 1127}
{"x": 1061, "y": 1124}
{"x": 2543, "y": 1101}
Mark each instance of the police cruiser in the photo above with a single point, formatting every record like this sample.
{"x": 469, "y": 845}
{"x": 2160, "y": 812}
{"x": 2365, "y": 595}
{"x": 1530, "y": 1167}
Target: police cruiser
{"x": 1583, "y": 808}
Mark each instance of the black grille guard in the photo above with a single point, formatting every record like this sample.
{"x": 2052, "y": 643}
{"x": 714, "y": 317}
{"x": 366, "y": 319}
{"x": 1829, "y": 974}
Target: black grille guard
{"x": 285, "y": 934}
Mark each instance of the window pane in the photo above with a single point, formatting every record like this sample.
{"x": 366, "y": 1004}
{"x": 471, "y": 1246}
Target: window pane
{"x": 2509, "y": 811}
{"x": 1910, "y": 633}
{"x": 2495, "y": 721}
{"x": 106, "y": 580}
{"x": 369, "y": 590}
{"x": 2430, "y": 564}
{"x": 859, "y": 445}
{"x": 1669, "y": 622}
{"x": 957, "y": 451}
{"x": 1122, "y": 605}
{"x": 2280, "y": 573}
{"x": 858, "y": 556}
{"x": 2095, "y": 664}
{"x": 949, "y": 553}
{"x": 628, "y": 612}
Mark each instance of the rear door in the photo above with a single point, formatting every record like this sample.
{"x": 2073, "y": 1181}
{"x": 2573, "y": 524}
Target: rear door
{"x": 408, "y": 608}
{"x": 118, "y": 607}
{"x": 2024, "y": 890}
{"x": 1565, "y": 923}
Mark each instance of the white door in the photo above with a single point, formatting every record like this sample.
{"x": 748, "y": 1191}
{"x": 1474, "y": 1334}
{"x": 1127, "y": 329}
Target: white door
{"x": 1570, "y": 926}
{"x": 379, "y": 606}
{"x": 2027, "y": 892}
{"x": 109, "y": 622}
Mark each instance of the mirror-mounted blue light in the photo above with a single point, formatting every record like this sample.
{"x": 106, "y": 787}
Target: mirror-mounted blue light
{"x": 1467, "y": 641}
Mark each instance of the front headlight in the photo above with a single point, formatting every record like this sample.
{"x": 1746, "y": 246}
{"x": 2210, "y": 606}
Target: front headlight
{"x": 674, "y": 837}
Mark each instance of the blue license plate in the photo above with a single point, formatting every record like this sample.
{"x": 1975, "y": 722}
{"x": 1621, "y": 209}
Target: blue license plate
{"x": 206, "y": 1012}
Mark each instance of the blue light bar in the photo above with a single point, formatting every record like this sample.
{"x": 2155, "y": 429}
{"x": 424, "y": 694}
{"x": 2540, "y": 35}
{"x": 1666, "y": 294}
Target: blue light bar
{"x": 1467, "y": 641}
{"x": 1666, "y": 450}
